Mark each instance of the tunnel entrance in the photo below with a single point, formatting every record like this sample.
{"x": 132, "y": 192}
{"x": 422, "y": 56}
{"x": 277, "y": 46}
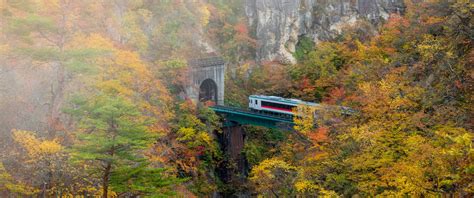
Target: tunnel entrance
{"x": 208, "y": 91}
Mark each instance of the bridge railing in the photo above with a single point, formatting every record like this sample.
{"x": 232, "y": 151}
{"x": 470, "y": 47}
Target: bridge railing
{"x": 227, "y": 109}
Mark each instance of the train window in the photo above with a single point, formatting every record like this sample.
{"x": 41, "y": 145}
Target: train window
{"x": 266, "y": 104}
{"x": 277, "y": 105}
{"x": 256, "y": 102}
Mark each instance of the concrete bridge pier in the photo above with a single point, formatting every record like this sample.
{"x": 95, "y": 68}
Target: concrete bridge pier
{"x": 234, "y": 170}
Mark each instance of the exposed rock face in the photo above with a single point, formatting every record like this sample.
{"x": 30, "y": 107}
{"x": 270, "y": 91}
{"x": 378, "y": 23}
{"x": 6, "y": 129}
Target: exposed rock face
{"x": 280, "y": 23}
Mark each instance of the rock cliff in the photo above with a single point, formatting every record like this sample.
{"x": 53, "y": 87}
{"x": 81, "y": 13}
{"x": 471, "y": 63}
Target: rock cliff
{"x": 280, "y": 23}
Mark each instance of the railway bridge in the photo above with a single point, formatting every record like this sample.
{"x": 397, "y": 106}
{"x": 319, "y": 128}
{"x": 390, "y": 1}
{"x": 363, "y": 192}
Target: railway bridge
{"x": 207, "y": 84}
{"x": 232, "y": 138}
{"x": 236, "y": 116}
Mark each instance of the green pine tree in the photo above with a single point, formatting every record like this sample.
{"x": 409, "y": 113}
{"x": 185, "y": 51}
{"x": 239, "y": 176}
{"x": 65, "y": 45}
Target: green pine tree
{"x": 113, "y": 133}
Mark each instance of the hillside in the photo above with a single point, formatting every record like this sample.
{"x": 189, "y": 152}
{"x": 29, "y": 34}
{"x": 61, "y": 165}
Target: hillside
{"x": 95, "y": 98}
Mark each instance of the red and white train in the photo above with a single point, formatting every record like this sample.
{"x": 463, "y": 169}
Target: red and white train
{"x": 275, "y": 105}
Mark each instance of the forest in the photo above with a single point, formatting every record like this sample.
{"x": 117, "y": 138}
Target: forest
{"x": 93, "y": 103}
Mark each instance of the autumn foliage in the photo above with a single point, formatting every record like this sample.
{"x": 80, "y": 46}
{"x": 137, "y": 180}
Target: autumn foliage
{"x": 410, "y": 131}
{"x": 93, "y": 103}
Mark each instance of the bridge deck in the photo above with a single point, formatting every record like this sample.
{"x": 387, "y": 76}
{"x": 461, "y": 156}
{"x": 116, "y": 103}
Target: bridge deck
{"x": 245, "y": 117}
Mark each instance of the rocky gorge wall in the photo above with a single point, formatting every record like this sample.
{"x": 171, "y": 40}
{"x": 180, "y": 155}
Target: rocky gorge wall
{"x": 280, "y": 23}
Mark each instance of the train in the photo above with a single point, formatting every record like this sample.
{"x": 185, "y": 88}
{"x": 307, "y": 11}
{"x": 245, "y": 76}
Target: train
{"x": 274, "y": 105}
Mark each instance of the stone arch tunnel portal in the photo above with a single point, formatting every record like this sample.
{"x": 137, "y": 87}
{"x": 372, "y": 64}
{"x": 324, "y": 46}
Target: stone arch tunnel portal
{"x": 206, "y": 82}
{"x": 208, "y": 91}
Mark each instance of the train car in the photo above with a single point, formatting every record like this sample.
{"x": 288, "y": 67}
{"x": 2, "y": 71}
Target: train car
{"x": 275, "y": 105}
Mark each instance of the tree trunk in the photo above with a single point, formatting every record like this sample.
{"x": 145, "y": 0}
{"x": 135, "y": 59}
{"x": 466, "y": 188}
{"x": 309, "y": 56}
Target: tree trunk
{"x": 105, "y": 180}
{"x": 54, "y": 120}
